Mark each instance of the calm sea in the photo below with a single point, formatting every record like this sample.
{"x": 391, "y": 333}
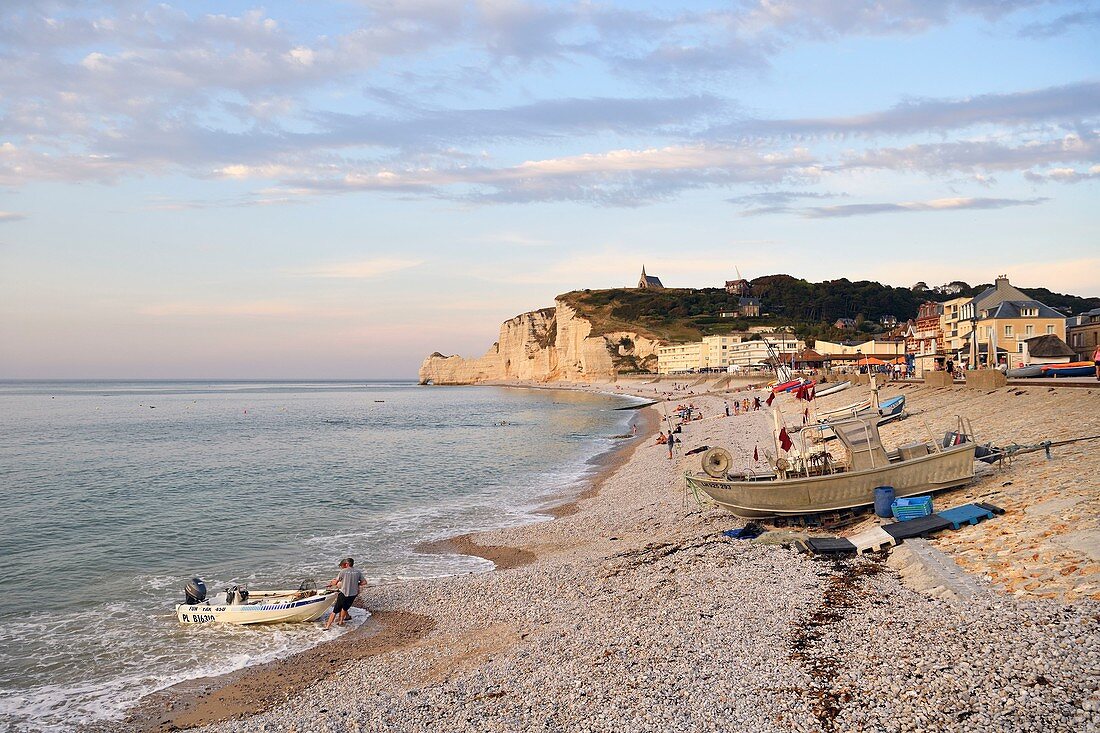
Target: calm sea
{"x": 113, "y": 494}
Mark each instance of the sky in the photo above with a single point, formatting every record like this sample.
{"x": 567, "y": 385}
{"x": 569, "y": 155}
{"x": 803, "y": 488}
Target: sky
{"x": 338, "y": 189}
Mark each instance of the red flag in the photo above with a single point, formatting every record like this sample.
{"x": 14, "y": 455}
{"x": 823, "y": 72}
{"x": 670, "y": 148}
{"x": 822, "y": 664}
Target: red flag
{"x": 755, "y": 455}
{"x": 785, "y": 441}
{"x": 768, "y": 401}
{"x": 810, "y": 393}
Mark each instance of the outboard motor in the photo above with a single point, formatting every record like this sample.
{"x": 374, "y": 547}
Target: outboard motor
{"x": 195, "y": 591}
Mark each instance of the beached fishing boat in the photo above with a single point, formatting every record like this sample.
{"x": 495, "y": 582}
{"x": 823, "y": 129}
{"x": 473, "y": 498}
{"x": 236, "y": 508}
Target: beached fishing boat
{"x": 809, "y": 482}
{"x": 1035, "y": 370}
{"x": 828, "y": 389}
{"x": 1073, "y": 369}
{"x": 245, "y": 607}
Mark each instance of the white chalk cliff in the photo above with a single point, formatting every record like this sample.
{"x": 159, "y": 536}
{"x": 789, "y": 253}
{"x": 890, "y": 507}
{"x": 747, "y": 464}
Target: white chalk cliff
{"x": 552, "y": 344}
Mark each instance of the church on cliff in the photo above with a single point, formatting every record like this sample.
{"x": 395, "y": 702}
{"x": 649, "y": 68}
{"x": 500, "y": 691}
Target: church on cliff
{"x": 649, "y": 282}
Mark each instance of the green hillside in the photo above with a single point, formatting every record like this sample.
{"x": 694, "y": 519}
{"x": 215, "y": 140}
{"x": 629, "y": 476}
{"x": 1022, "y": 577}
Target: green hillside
{"x": 682, "y": 314}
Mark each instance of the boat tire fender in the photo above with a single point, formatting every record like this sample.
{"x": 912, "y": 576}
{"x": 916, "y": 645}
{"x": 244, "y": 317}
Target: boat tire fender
{"x": 717, "y": 462}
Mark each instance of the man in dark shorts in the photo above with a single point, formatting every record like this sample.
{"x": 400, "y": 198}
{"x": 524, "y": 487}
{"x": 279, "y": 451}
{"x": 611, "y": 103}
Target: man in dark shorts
{"x": 348, "y": 581}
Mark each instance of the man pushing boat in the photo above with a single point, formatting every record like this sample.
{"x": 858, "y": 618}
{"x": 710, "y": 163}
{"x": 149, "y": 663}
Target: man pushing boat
{"x": 349, "y": 581}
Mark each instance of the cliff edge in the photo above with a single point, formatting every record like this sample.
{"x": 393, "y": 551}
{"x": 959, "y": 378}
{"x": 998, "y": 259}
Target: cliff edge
{"x": 551, "y": 344}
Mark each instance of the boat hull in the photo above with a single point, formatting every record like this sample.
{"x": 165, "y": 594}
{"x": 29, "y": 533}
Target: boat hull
{"x": 1070, "y": 370}
{"x": 828, "y": 389}
{"x": 1022, "y": 372}
{"x": 890, "y": 410}
{"x": 276, "y": 610}
{"x": 797, "y": 496}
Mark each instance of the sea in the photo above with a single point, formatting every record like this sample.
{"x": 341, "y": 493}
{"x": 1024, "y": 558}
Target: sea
{"x": 114, "y": 494}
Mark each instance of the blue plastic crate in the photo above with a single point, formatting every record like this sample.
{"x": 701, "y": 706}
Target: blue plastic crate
{"x": 913, "y": 507}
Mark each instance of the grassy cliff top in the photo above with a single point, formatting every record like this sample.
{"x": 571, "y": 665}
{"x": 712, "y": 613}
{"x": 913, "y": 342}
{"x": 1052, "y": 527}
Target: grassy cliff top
{"x": 672, "y": 314}
{"x": 688, "y": 314}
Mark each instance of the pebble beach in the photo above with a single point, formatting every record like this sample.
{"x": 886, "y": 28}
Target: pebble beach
{"x": 629, "y": 609}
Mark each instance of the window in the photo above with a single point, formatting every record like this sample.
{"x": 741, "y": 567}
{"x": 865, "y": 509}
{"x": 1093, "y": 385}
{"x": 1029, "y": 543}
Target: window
{"x": 1008, "y": 329}
{"x": 1020, "y": 348}
{"x": 1050, "y": 328}
{"x": 1029, "y": 330}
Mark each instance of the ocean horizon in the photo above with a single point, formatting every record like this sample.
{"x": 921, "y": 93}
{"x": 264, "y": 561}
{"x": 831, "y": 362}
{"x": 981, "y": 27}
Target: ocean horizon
{"x": 115, "y": 492}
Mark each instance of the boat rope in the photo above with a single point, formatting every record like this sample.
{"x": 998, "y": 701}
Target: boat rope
{"x": 1074, "y": 440}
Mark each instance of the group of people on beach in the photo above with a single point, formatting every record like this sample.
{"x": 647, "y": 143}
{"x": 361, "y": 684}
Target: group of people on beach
{"x": 745, "y": 405}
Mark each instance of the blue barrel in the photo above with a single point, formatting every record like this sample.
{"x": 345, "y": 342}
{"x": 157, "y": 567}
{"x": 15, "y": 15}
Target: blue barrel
{"x": 884, "y": 497}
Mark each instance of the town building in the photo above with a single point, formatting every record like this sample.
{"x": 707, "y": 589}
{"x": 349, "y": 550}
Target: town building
{"x": 1002, "y": 319}
{"x": 888, "y": 321}
{"x": 649, "y": 282}
{"x": 1083, "y": 334}
{"x": 1010, "y": 323}
{"x": 1046, "y": 349}
{"x": 680, "y": 358}
{"x": 845, "y": 323}
{"x": 924, "y": 340}
{"x": 720, "y": 352}
{"x": 740, "y": 286}
{"x": 746, "y": 308}
{"x": 749, "y": 307}
{"x": 955, "y": 328}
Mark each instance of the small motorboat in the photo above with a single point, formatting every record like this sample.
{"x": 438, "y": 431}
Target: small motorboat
{"x": 828, "y": 389}
{"x": 248, "y": 607}
{"x": 844, "y": 412}
{"x": 1025, "y": 371}
{"x": 1073, "y": 369}
{"x": 887, "y": 411}
{"x": 788, "y": 385}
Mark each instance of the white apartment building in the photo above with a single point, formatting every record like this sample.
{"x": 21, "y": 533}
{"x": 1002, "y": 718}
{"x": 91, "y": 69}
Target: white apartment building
{"x": 721, "y": 352}
{"x": 680, "y": 358}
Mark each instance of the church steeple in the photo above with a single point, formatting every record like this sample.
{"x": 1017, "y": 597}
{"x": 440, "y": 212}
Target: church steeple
{"x": 648, "y": 281}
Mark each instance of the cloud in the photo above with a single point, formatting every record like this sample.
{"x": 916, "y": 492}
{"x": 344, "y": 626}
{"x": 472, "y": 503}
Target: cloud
{"x": 545, "y": 119}
{"x": 1061, "y": 24}
{"x": 362, "y": 269}
{"x": 625, "y": 177}
{"x": 979, "y": 155}
{"x": 11, "y": 216}
{"x": 1064, "y": 175}
{"x": 108, "y": 91}
{"x": 947, "y": 204}
{"x": 1066, "y": 103}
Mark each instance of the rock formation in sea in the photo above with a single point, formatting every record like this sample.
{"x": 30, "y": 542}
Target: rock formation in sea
{"x": 551, "y": 344}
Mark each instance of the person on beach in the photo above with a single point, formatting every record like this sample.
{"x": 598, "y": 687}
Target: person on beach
{"x": 671, "y": 445}
{"x": 1096, "y": 361}
{"x": 349, "y": 580}
{"x": 661, "y": 439}
{"x": 727, "y": 409}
